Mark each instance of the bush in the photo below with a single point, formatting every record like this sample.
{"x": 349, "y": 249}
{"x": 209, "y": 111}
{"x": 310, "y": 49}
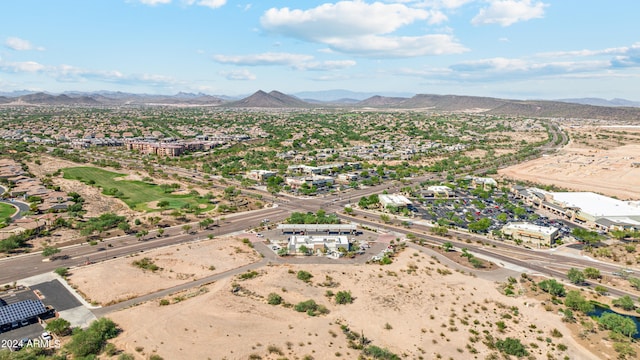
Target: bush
{"x": 274, "y": 299}
{"x": 146, "y": 264}
{"x": 164, "y": 302}
{"x": 304, "y": 276}
{"x": 552, "y": 287}
{"x": 344, "y": 297}
{"x": 511, "y": 346}
{"x": 311, "y": 308}
{"x": 59, "y": 326}
{"x": 92, "y": 340}
{"x": 380, "y": 353}
{"x": 62, "y": 271}
{"x": 306, "y": 305}
{"x": 248, "y": 275}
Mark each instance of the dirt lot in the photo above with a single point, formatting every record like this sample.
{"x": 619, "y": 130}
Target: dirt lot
{"x": 415, "y": 307}
{"x": 120, "y": 280}
{"x": 579, "y": 167}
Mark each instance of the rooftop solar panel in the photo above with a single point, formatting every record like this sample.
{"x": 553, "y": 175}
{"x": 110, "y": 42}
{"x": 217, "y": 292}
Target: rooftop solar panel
{"x": 21, "y": 310}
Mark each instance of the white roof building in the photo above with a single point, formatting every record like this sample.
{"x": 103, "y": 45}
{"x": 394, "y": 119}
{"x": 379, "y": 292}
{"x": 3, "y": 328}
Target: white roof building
{"x": 317, "y": 243}
{"x": 595, "y": 206}
{"x": 393, "y": 200}
{"x": 543, "y": 235}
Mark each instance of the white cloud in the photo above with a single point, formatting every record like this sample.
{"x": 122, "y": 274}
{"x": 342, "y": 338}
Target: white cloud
{"x": 441, "y": 4}
{"x": 269, "y": 58}
{"x": 68, "y": 73}
{"x": 509, "y": 12}
{"x": 154, "y": 2}
{"x": 243, "y": 74}
{"x": 327, "y": 65}
{"x": 361, "y": 28}
{"x": 344, "y": 18}
{"x": 402, "y": 46}
{"x": 502, "y": 69}
{"x": 213, "y": 4}
{"x": 586, "y": 52}
{"x": 295, "y": 61}
{"x": 18, "y": 67}
{"x": 18, "y": 44}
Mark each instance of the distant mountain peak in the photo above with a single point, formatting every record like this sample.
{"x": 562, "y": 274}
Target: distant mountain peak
{"x": 273, "y": 99}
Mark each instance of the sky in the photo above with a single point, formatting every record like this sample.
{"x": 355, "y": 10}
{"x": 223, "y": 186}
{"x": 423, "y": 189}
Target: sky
{"x": 517, "y": 49}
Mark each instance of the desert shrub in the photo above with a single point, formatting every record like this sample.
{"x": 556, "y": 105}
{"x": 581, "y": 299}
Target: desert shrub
{"x": 304, "y": 276}
{"x": 380, "y": 353}
{"x": 146, "y": 264}
{"x": 344, "y": 297}
{"x": 511, "y": 346}
{"x": 249, "y": 275}
{"x": 274, "y": 299}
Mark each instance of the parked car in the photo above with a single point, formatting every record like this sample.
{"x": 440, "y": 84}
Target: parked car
{"x": 24, "y": 322}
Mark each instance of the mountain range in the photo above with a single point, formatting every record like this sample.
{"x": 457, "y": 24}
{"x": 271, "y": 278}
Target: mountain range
{"x": 566, "y": 108}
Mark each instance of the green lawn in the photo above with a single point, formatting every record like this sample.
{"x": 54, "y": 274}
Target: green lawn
{"x": 6, "y": 210}
{"x": 136, "y": 194}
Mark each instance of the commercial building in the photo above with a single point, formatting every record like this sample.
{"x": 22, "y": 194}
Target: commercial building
{"x": 261, "y": 175}
{"x": 588, "y": 208}
{"x": 305, "y": 229}
{"x": 318, "y": 181}
{"x": 530, "y": 233}
{"x": 393, "y": 200}
{"x": 439, "y": 191}
{"x": 318, "y": 244}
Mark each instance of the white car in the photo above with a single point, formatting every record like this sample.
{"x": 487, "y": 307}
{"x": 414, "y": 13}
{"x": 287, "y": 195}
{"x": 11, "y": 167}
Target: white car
{"x": 46, "y": 336}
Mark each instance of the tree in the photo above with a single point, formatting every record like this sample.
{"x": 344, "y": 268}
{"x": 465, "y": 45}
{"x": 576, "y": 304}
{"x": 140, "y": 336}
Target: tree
{"x": 440, "y": 230}
{"x": 592, "y": 273}
{"x": 466, "y": 253}
{"x": 344, "y": 297}
{"x": 635, "y": 282}
{"x": 576, "y": 301}
{"x": 303, "y": 249}
{"x": 124, "y": 226}
{"x": 49, "y": 251}
{"x": 625, "y": 302}
{"x": 59, "y": 326}
{"x": 480, "y": 226}
{"x": 163, "y": 204}
{"x": 385, "y": 218}
{"x": 186, "y": 228}
{"x": 448, "y": 246}
{"x": 511, "y": 346}
{"x": 618, "y": 323}
{"x": 575, "y": 276}
{"x": 62, "y": 271}
{"x": 160, "y": 232}
{"x": 601, "y": 290}
{"x": 552, "y": 286}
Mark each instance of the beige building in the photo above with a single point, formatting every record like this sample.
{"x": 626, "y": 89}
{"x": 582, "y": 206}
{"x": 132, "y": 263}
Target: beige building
{"x": 530, "y": 233}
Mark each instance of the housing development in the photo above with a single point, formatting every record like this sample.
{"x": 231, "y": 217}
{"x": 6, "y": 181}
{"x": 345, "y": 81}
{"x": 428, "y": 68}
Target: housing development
{"x": 250, "y": 229}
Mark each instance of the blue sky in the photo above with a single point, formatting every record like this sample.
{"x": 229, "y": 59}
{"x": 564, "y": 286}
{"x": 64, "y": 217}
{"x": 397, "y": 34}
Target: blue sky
{"x": 522, "y": 49}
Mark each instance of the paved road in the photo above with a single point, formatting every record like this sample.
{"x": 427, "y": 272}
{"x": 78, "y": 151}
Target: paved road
{"x": 21, "y": 206}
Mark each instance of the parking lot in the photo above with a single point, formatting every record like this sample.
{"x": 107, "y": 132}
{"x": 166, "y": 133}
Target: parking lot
{"x": 26, "y": 329}
{"x": 465, "y": 208}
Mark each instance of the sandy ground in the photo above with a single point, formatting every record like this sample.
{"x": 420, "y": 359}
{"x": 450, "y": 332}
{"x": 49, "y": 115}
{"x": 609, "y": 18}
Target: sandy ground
{"x": 414, "y": 313}
{"x": 121, "y": 280}
{"x": 580, "y": 168}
